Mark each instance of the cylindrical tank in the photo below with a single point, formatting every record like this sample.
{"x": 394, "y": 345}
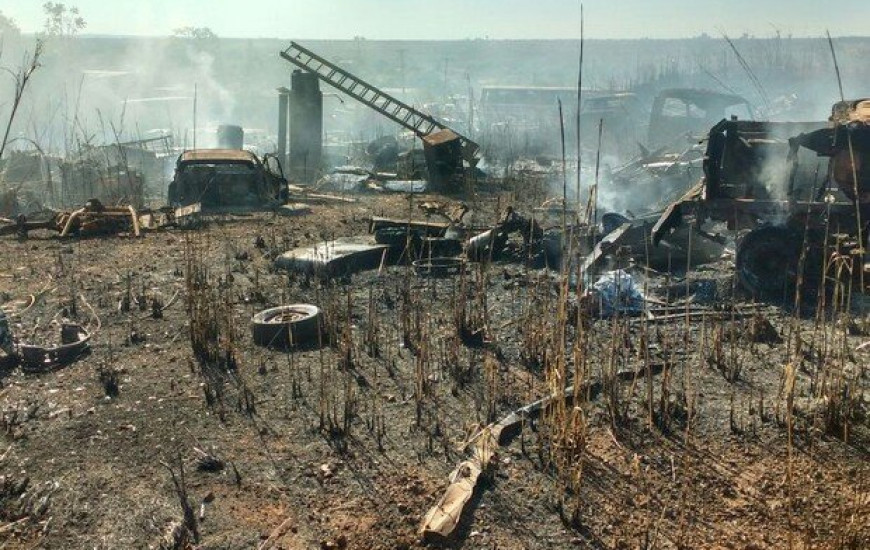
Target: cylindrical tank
{"x": 306, "y": 126}
{"x": 230, "y": 136}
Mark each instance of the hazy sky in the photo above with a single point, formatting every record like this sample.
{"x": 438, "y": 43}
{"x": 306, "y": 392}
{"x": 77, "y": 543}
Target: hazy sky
{"x": 459, "y": 19}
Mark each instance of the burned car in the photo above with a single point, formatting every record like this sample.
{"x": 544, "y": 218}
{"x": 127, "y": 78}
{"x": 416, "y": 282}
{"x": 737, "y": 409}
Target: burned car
{"x": 619, "y": 114}
{"x": 227, "y": 180}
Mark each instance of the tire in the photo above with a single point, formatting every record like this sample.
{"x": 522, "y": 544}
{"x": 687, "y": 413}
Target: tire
{"x": 288, "y": 327}
{"x": 767, "y": 262}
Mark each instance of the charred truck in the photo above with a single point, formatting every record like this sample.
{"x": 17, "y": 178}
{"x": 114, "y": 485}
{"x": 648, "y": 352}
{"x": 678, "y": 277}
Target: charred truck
{"x": 226, "y": 180}
{"x": 802, "y": 191}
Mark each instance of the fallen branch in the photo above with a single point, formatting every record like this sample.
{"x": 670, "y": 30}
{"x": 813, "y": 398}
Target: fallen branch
{"x": 9, "y": 526}
{"x": 17, "y": 307}
{"x": 441, "y": 520}
{"x": 322, "y": 198}
{"x": 695, "y": 315}
{"x": 93, "y": 313}
{"x": 276, "y": 534}
{"x": 163, "y": 307}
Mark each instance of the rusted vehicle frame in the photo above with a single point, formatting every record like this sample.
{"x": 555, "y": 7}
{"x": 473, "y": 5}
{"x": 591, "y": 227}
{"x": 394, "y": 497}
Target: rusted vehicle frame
{"x": 91, "y": 219}
{"x": 266, "y": 187}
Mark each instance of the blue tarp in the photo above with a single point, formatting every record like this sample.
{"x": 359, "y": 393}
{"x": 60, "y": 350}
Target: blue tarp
{"x": 619, "y": 294}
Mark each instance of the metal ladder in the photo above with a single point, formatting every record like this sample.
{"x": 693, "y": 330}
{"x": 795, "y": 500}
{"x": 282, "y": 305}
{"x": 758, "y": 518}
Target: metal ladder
{"x": 397, "y": 111}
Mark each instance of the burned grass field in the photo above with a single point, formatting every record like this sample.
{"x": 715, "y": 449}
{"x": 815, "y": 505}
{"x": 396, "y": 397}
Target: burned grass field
{"x": 711, "y": 420}
{"x": 498, "y": 298}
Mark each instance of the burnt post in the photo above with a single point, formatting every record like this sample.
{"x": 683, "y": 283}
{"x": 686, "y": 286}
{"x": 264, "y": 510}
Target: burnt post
{"x": 283, "y": 114}
{"x": 306, "y": 126}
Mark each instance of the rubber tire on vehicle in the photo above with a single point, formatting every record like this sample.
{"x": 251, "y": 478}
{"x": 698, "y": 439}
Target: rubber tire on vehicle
{"x": 272, "y": 328}
{"x": 767, "y": 260}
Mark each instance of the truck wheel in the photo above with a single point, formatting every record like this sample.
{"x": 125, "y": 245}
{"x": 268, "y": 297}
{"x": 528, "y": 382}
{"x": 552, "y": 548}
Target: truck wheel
{"x": 767, "y": 262}
{"x": 293, "y": 326}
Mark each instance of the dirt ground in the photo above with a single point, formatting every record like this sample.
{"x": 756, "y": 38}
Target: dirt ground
{"x": 349, "y": 446}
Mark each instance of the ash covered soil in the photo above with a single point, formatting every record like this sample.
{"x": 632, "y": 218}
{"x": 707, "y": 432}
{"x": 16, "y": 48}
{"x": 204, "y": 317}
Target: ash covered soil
{"x": 350, "y": 445}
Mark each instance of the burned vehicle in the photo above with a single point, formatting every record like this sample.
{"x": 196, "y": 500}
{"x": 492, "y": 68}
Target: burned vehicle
{"x": 224, "y": 180}
{"x": 672, "y": 160}
{"x": 687, "y": 112}
{"x": 801, "y": 189}
{"x": 619, "y": 114}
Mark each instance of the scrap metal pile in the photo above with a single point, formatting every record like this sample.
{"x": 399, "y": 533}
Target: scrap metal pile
{"x": 95, "y": 219}
{"x": 800, "y": 188}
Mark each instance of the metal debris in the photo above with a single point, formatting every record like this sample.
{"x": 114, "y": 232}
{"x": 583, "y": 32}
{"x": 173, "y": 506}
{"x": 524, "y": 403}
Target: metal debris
{"x": 762, "y": 176}
{"x": 74, "y": 343}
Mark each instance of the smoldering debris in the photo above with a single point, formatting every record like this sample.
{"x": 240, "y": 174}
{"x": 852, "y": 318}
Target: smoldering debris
{"x": 429, "y": 293}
